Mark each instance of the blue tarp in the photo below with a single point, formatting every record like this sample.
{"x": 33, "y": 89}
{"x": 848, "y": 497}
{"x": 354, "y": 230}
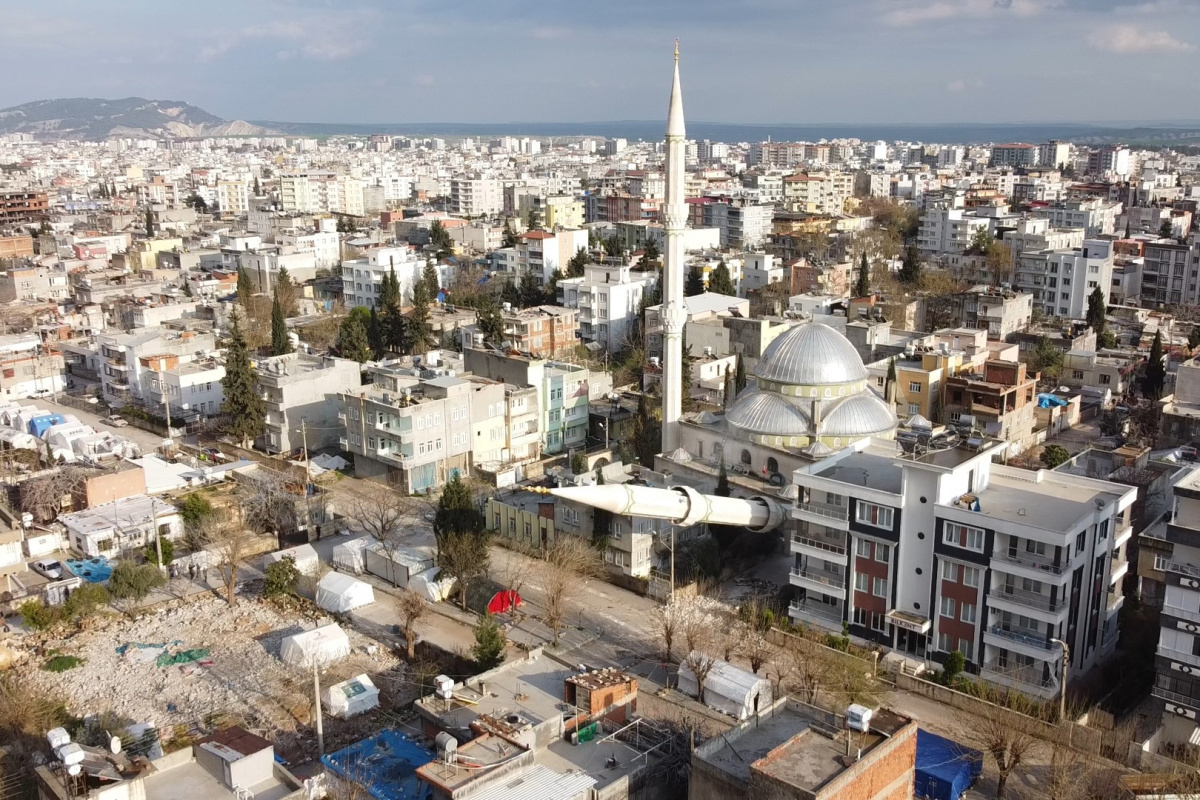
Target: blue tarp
{"x": 945, "y": 769}
{"x": 39, "y": 425}
{"x": 385, "y": 765}
{"x": 1047, "y": 400}
{"x": 92, "y": 570}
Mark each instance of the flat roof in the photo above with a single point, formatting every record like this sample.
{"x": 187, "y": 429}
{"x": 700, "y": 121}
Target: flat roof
{"x": 531, "y": 688}
{"x": 1055, "y": 506}
{"x": 190, "y": 781}
{"x": 866, "y": 469}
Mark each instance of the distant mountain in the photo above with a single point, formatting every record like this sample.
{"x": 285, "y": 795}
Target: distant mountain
{"x": 95, "y": 119}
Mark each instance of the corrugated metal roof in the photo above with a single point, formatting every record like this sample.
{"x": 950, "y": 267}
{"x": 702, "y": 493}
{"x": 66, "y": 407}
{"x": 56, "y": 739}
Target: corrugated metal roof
{"x": 539, "y": 783}
{"x": 811, "y": 354}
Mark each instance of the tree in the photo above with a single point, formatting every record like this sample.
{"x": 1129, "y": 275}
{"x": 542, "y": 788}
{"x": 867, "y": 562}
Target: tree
{"x": 244, "y": 409}
{"x": 385, "y": 515}
{"x": 1194, "y": 336}
{"x": 1046, "y": 358}
{"x": 531, "y": 293}
{"x": 285, "y": 292}
{"x": 411, "y": 608}
{"x": 509, "y": 237}
{"x": 281, "y": 344}
{"x": 980, "y": 242}
{"x": 281, "y": 578}
{"x": 579, "y": 462}
{"x": 187, "y": 288}
{"x": 488, "y": 651}
{"x": 429, "y": 277}
{"x": 910, "y": 266}
{"x": 439, "y": 237}
{"x": 391, "y": 318}
{"x": 646, "y": 430}
{"x": 150, "y": 553}
{"x": 694, "y": 284}
{"x": 417, "y": 330}
{"x": 245, "y": 289}
{"x": 267, "y": 502}
{"x": 194, "y": 508}
{"x": 650, "y": 255}
{"x": 46, "y": 495}
{"x": 353, "y": 342}
{"x": 575, "y": 267}
{"x": 1156, "y": 370}
{"x": 613, "y": 246}
{"x": 231, "y": 544}
{"x": 462, "y": 538}
{"x": 862, "y": 285}
{"x": 997, "y": 261}
{"x": 956, "y": 662}
{"x": 667, "y": 621}
{"x": 1097, "y": 311}
{"x": 720, "y": 281}
{"x": 489, "y": 320}
{"x": 196, "y": 202}
{"x": 345, "y": 224}
{"x": 1008, "y": 738}
{"x": 739, "y": 377}
{"x": 149, "y": 222}
{"x": 134, "y": 582}
{"x": 375, "y": 335}
{"x": 568, "y": 564}
{"x": 1166, "y": 230}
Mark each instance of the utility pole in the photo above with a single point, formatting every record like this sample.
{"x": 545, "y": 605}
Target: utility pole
{"x": 307, "y": 473}
{"x": 1062, "y": 694}
{"x": 672, "y": 564}
{"x": 317, "y": 710}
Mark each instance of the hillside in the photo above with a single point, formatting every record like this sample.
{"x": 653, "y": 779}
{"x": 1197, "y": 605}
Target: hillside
{"x": 94, "y": 119}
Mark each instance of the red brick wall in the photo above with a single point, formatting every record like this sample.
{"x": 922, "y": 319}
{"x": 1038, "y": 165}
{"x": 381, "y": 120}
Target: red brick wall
{"x": 960, "y": 593}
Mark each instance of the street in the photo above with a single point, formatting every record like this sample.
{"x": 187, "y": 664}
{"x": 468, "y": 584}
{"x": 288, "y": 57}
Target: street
{"x": 146, "y": 440}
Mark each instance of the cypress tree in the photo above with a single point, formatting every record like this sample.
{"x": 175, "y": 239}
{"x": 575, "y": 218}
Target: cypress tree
{"x": 720, "y": 281}
{"x": 489, "y": 320}
{"x": 391, "y": 318}
{"x": 187, "y": 288}
{"x": 509, "y": 237}
{"x": 285, "y": 291}
{"x": 1156, "y": 371}
{"x": 694, "y": 284}
{"x": 244, "y": 288}
{"x": 243, "y": 407}
{"x": 417, "y": 332}
{"x": 862, "y": 286}
{"x": 910, "y": 267}
{"x": 429, "y": 277}
{"x": 375, "y": 336}
{"x": 280, "y": 344}
{"x": 740, "y": 377}
{"x": 149, "y": 221}
{"x": 352, "y": 340}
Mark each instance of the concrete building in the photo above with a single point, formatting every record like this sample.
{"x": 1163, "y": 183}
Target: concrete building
{"x": 121, "y": 528}
{"x": 742, "y": 223}
{"x": 542, "y": 331}
{"x": 541, "y": 253}
{"x": 297, "y": 388}
{"x": 998, "y": 311}
{"x": 320, "y": 192}
{"x": 130, "y": 362}
{"x": 29, "y": 282}
{"x": 699, "y": 307}
{"x": 1000, "y": 400}
{"x": 794, "y": 751}
{"x": 1010, "y": 562}
{"x": 1089, "y": 369}
{"x": 28, "y": 367}
{"x": 1096, "y": 216}
{"x": 1014, "y": 155}
{"x": 760, "y": 270}
{"x": 1169, "y": 275}
{"x": 476, "y": 196}
{"x": 608, "y": 298}
{"x": 1062, "y": 280}
{"x": 361, "y": 277}
{"x": 17, "y": 206}
{"x": 947, "y": 228}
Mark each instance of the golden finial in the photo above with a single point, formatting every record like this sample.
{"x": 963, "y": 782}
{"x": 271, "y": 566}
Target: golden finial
{"x": 676, "y": 50}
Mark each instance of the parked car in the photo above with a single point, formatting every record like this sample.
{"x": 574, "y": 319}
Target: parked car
{"x": 213, "y": 454}
{"x": 42, "y": 393}
{"x": 48, "y": 568}
{"x": 114, "y": 420}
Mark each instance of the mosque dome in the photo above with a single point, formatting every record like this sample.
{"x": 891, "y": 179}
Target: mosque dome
{"x": 811, "y": 392}
{"x": 811, "y": 354}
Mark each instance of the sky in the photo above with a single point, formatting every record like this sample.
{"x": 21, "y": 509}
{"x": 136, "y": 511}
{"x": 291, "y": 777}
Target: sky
{"x": 493, "y": 61}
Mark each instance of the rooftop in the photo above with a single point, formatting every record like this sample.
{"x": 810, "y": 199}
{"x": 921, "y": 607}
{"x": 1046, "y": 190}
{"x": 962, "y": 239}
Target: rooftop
{"x": 1055, "y": 506}
{"x": 866, "y": 469}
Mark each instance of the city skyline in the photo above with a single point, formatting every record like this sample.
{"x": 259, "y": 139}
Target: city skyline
{"x": 854, "y": 62}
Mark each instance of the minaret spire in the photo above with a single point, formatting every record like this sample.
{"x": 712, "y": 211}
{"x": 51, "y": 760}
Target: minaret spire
{"x": 674, "y": 214}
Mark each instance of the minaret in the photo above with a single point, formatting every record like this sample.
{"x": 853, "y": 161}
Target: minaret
{"x": 674, "y": 214}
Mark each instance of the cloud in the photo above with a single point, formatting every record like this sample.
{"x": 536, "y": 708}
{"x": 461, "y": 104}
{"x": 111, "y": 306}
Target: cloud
{"x": 547, "y": 32}
{"x": 958, "y": 85}
{"x": 423, "y": 80}
{"x": 315, "y": 38}
{"x": 904, "y": 13}
{"x": 1132, "y": 39}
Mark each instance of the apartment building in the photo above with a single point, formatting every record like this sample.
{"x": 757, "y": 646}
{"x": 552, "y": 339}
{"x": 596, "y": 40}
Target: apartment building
{"x": 742, "y": 223}
{"x": 17, "y": 206}
{"x": 1087, "y": 368}
{"x": 476, "y": 196}
{"x": 542, "y": 331}
{"x": 34, "y": 283}
{"x": 700, "y": 307}
{"x": 998, "y": 311}
{"x": 776, "y": 155}
{"x": 1169, "y": 275}
{"x": 28, "y": 367}
{"x": 192, "y": 388}
{"x": 324, "y": 243}
{"x": 297, "y": 388}
{"x": 1036, "y": 233}
{"x": 551, "y": 212}
{"x": 936, "y": 548}
{"x": 1113, "y": 161}
{"x": 541, "y": 253}
{"x": 608, "y": 298}
{"x": 948, "y": 228}
{"x": 130, "y": 361}
{"x": 320, "y": 192}
{"x": 1014, "y": 155}
{"x": 1062, "y": 280}
{"x": 1096, "y": 216}
{"x": 1180, "y": 422}
{"x": 417, "y": 434}
{"x": 361, "y": 277}
{"x": 233, "y": 198}
{"x": 818, "y": 193}
{"x": 1000, "y": 400}
{"x": 760, "y": 270}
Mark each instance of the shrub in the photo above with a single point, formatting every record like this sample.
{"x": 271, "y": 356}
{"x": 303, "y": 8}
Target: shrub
{"x": 134, "y": 582}
{"x": 85, "y": 601}
{"x": 194, "y": 508}
{"x": 281, "y": 578}
{"x": 955, "y": 663}
{"x": 61, "y": 663}
{"x": 168, "y": 551}
{"x": 488, "y": 651}
{"x": 39, "y": 617}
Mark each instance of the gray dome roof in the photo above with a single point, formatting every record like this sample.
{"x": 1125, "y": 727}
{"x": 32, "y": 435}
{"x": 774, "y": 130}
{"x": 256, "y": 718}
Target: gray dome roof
{"x": 811, "y": 354}
{"x": 858, "y": 415}
{"x": 768, "y": 413}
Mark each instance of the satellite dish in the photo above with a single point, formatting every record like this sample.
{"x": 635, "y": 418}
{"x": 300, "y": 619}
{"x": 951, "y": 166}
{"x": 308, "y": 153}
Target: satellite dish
{"x": 74, "y": 769}
{"x": 114, "y": 745}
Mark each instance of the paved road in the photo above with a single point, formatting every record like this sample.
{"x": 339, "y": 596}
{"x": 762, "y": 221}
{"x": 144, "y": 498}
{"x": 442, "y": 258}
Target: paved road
{"x": 148, "y": 441}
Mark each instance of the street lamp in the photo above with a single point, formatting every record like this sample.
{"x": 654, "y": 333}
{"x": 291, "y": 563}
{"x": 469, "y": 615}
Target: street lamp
{"x": 1062, "y": 692}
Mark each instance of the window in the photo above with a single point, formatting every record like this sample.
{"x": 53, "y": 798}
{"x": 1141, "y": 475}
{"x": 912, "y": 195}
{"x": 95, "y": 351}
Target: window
{"x": 914, "y": 386}
{"x": 1077, "y": 374}
{"x": 879, "y": 587}
{"x": 963, "y": 536}
{"x": 862, "y": 548}
{"x": 967, "y": 612}
{"x": 945, "y": 643}
{"x": 883, "y": 553}
{"x": 862, "y": 582}
{"x": 1106, "y": 378}
{"x": 1035, "y": 548}
{"x": 878, "y": 622}
{"x": 913, "y": 408}
{"x": 871, "y": 514}
{"x": 860, "y": 616}
{"x": 967, "y": 648}
{"x": 970, "y": 576}
{"x": 950, "y": 571}
{"x": 1160, "y": 562}
{"x": 947, "y": 607}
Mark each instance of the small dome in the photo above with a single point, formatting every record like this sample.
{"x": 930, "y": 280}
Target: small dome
{"x": 811, "y": 354}
{"x": 861, "y": 414}
{"x": 767, "y": 413}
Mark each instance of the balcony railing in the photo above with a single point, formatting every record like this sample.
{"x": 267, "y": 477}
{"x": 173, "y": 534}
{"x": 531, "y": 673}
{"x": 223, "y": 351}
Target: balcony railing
{"x": 819, "y": 610}
{"x": 829, "y": 512}
{"x": 1182, "y": 613}
{"x": 1027, "y": 676}
{"x": 1178, "y": 655}
{"x": 1176, "y": 697}
{"x": 1029, "y": 639}
{"x": 1183, "y": 569}
{"x": 1027, "y": 598}
{"x": 820, "y": 543}
{"x": 831, "y": 579}
{"x": 1029, "y": 562}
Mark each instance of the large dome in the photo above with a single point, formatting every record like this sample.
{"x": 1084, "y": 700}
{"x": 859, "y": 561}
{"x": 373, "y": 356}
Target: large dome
{"x": 811, "y": 354}
{"x": 859, "y": 415}
{"x": 764, "y": 412}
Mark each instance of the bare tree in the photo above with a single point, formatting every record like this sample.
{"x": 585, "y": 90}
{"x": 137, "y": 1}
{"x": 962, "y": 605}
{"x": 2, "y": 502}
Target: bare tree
{"x": 701, "y": 664}
{"x": 514, "y": 572}
{"x": 696, "y": 625}
{"x": 385, "y": 515}
{"x": 809, "y": 670}
{"x": 667, "y": 620}
{"x": 267, "y": 501}
{"x": 465, "y": 557}
{"x": 1010, "y": 736}
{"x": 568, "y": 563}
{"x": 757, "y": 650}
{"x": 411, "y": 608}
{"x": 46, "y": 495}
{"x": 232, "y": 545}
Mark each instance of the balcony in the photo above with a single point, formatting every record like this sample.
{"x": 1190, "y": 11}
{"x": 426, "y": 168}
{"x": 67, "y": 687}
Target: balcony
{"x": 1175, "y": 697}
{"x": 1114, "y": 601}
{"x": 1178, "y": 655}
{"x": 1024, "y": 678}
{"x": 831, "y": 516}
{"x": 1181, "y": 613}
{"x": 823, "y": 581}
{"x": 1119, "y": 568}
{"x": 344, "y": 443}
{"x": 824, "y": 545}
{"x": 1027, "y": 639}
{"x": 1027, "y": 599}
{"x": 820, "y": 613}
{"x": 1039, "y": 568}
{"x": 1124, "y": 534}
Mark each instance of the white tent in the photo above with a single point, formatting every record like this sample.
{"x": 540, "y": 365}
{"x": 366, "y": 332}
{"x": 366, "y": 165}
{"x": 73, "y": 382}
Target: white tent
{"x": 727, "y": 688}
{"x": 324, "y": 645}
{"x": 396, "y": 565}
{"x": 428, "y": 586}
{"x": 339, "y": 593}
{"x": 348, "y": 556}
{"x": 304, "y": 555}
{"x": 351, "y": 697}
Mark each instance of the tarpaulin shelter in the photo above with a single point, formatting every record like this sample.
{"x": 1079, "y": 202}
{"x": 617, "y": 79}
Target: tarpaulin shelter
{"x": 339, "y": 593}
{"x": 728, "y": 689}
{"x": 348, "y": 556}
{"x": 944, "y": 768}
{"x": 307, "y": 562}
{"x": 351, "y": 697}
{"x": 323, "y": 645}
{"x": 502, "y": 601}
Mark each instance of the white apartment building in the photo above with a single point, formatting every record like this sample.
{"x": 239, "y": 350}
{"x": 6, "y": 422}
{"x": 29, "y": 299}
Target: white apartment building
{"x": 1061, "y": 280}
{"x": 131, "y": 361}
{"x": 361, "y": 277}
{"x": 1177, "y": 663}
{"x": 297, "y": 388}
{"x": 476, "y": 197}
{"x": 325, "y": 246}
{"x": 1169, "y": 274}
{"x": 34, "y": 283}
{"x": 608, "y": 298}
{"x": 320, "y": 192}
{"x": 192, "y": 388}
{"x": 233, "y": 198}
{"x": 948, "y": 229}
{"x": 1097, "y": 217}
{"x": 1036, "y": 233}
{"x": 759, "y": 270}
{"x": 741, "y": 224}
{"x": 946, "y": 550}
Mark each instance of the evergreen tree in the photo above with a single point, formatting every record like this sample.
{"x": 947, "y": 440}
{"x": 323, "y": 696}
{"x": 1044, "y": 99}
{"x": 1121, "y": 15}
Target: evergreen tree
{"x": 720, "y": 281}
{"x": 1166, "y": 230}
{"x": 375, "y": 336}
{"x": 352, "y": 340}
{"x": 1156, "y": 370}
{"x": 281, "y": 345}
{"x": 650, "y": 255}
{"x": 417, "y": 330}
{"x": 489, "y": 649}
{"x": 694, "y": 284}
{"x": 439, "y": 237}
{"x": 578, "y": 261}
{"x": 490, "y": 321}
{"x": 1194, "y": 337}
{"x": 285, "y": 292}
{"x": 187, "y": 288}
{"x": 149, "y": 221}
{"x": 686, "y": 403}
{"x": 244, "y": 410}
{"x": 890, "y": 381}
{"x": 511, "y": 294}
{"x": 910, "y": 267}
{"x": 429, "y": 276}
{"x": 257, "y": 187}
{"x": 245, "y": 290}
{"x": 730, "y": 387}
{"x": 531, "y": 291}
{"x": 740, "y": 375}
{"x": 391, "y": 319}
{"x": 647, "y": 431}
{"x": 550, "y": 295}
{"x": 509, "y": 237}
{"x": 722, "y": 489}
{"x": 862, "y": 286}
{"x": 531, "y": 220}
